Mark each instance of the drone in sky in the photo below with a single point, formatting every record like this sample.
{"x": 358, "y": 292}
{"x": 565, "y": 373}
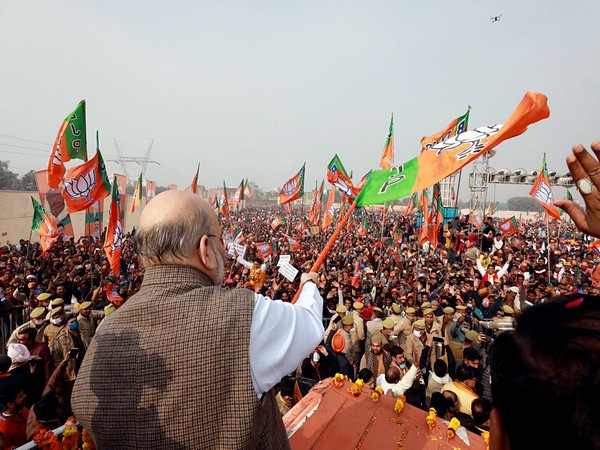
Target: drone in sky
{"x": 495, "y": 18}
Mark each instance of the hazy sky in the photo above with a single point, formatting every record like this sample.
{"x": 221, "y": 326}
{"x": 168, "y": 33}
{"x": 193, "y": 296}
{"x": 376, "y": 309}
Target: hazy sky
{"x": 255, "y": 88}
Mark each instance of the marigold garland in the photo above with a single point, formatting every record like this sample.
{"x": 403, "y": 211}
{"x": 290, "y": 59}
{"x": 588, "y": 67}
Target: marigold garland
{"x": 430, "y": 419}
{"x": 46, "y": 439}
{"x": 70, "y": 435}
{"x": 452, "y": 427}
{"x": 377, "y": 392}
{"x": 486, "y": 438}
{"x": 399, "y": 406}
{"x": 338, "y": 380}
{"x": 356, "y": 388}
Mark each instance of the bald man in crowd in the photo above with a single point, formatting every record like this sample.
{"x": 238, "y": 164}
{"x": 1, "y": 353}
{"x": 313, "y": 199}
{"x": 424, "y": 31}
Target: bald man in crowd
{"x": 160, "y": 372}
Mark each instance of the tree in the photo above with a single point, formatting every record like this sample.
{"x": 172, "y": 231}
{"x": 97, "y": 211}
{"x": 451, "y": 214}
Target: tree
{"x": 523, "y": 204}
{"x": 27, "y": 182}
{"x": 9, "y": 181}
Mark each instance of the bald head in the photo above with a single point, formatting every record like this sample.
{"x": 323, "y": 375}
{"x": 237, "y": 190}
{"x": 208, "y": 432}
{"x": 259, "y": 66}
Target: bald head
{"x": 172, "y": 227}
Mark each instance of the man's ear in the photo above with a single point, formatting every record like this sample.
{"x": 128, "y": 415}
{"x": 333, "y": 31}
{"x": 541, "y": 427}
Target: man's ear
{"x": 206, "y": 254}
{"x": 498, "y": 436}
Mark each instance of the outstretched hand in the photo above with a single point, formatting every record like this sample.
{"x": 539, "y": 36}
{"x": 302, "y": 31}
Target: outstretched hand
{"x": 583, "y": 165}
{"x": 310, "y": 276}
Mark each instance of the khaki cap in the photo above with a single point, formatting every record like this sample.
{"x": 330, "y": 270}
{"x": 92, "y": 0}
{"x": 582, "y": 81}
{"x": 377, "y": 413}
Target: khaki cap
{"x": 347, "y": 320}
{"x": 57, "y": 302}
{"x": 426, "y": 305}
{"x": 377, "y": 308}
{"x": 410, "y": 310}
{"x": 427, "y": 311}
{"x": 377, "y": 338}
{"x": 472, "y": 335}
{"x": 56, "y": 311}
{"x": 44, "y": 296}
{"x": 420, "y": 324}
{"x": 389, "y": 323}
{"x": 448, "y": 310}
{"x": 341, "y": 309}
{"x": 85, "y": 305}
{"x": 460, "y": 307}
{"x": 396, "y": 308}
{"x": 38, "y": 312}
{"x": 507, "y": 309}
{"x": 357, "y": 305}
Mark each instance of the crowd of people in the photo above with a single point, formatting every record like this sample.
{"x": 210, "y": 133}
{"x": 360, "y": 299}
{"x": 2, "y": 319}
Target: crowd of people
{"x": 416, "y": 320}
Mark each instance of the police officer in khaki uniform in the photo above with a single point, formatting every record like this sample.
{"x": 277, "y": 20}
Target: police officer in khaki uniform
{"x": 415, "y": 343}
{"x": 87, "y": 322}
{"x": 336, "y": 320}
{"x": 57, "y": 318}
{"x": 37, "y": 321}
{"x": 396, "y": 315}
{"x": 403, "y": 329}
{"x": 359, "y": 335}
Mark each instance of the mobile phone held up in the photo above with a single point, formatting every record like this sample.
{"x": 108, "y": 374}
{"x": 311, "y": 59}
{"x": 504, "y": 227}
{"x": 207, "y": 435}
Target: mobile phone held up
{"x": 73, "y": 352}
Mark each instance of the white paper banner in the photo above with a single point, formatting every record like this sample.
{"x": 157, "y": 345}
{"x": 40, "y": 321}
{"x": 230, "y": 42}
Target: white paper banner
{"x": 241, "y": 250}
{"x": 288, "y": 271}
{"x": 284, "y": 259}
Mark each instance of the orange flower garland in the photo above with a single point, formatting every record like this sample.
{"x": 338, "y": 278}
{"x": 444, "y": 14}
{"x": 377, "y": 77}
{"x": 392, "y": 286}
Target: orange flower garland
{"x": 486, "y": 438}
{"x": 338, "y": 380}
{"x": 356, "y": 388}
{"x": 399, "y": 406}
{"x": 378, "y": 392}
{"x": 46, "y": 439}
{"x": 430, "y": 419}
{"x": 452, "y": 427}
{"x": 70, "y": 435}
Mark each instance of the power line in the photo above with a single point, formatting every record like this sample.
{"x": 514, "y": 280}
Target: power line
{"x": 26, "y": 140}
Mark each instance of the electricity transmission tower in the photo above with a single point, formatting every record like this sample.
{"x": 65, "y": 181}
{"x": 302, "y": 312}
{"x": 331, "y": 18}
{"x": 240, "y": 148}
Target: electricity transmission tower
{"x": 142, "y": 161}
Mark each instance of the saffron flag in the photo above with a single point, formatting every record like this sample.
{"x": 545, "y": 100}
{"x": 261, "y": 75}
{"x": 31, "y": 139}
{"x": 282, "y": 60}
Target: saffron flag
{"x": 224, "y": 202}
{"x": 137, "y": 195}
{"x": 94, "y": 216}
{"x": 329, "y": 213}
{"x": 424, "y": 207}
{"x": 355, "y": 281}
{"x": 456, "y": 127}
{"x": 596, "y": 246}
{"x": 247, "y": 191}
{"x": 436, "y": 217}
{"x": 449, "y": 156}
{"x": 264, "y": 249}
{"x": 338, "y": 177}
{"x": 387, "y": 157}
{"x": 294, "y": 244}
{"x": 300, "y": 226}
{"x": 542, "y": 192}
{"x": 112, "y": 294}
{"x": 509, "y": 226}
{"x": 293, "y": 188}
{"x": 411, "y": 205}
{"x": 315, "y": 211}
{"x": 150, "y": 190}
{"x": 238, "y": 195}
{"x": 113, "y": 242}
{"x": 476, "y": 220}
{"x": 86, "y": 184}
{"x": 44, "y": 226}
{"x": 195, "y": 180}
{"x": 364, "y": 228}
{"x": 70, "y": 144}
{"x": 54, "y": 203}
{"x": 490, "y": 210}
{"x": 277, "y": 221}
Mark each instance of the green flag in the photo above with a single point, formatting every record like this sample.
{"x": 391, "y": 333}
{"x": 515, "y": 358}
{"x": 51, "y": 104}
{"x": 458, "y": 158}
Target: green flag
{"x": 70, "y": 143}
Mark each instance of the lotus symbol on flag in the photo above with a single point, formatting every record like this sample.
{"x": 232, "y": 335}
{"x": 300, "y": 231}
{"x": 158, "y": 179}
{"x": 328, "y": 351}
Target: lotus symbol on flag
{"x": 290, "y": 187}
{"x": 544, "y": 194}
{"x": 82, "y": 186}
{"x": 263, "y": 248}
{"x": 505, "y": 226}
{"x": 117, "y": 237}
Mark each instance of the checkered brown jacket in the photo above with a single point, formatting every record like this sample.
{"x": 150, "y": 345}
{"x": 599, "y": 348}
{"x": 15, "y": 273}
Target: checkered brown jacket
{"x": 161, "y": 374}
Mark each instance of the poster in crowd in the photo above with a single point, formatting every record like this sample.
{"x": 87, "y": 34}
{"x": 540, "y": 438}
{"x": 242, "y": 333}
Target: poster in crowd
{"x": 150, "y": 190}
{"x": 53, "y": 202}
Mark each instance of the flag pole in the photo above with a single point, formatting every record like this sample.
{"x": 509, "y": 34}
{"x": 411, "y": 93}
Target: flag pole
{"x": 548, "y": 244}
{"x": 338, "y": 229}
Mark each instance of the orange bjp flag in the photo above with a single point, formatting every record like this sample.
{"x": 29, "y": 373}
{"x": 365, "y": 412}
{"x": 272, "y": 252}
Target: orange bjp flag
{"x": 387, "y": 156}
{"x": 329, "y": 211}
{"x": 113, "y": 242}
{"x": 86, "y": 184}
